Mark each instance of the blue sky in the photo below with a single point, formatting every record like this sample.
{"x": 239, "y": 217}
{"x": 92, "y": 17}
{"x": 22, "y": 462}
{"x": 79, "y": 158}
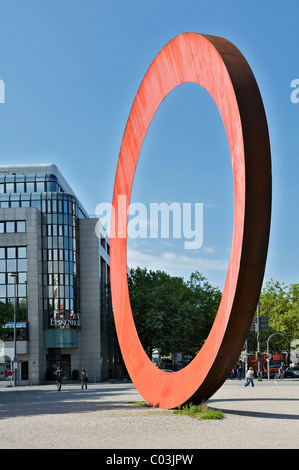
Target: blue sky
{"x": 71, "y": 70}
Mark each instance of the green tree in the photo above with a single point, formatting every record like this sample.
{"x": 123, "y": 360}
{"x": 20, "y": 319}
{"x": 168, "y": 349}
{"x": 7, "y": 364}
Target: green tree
{"x": 169, "y": 313}
{"x": 204, "y": 302}
{"x": 156, "y": 305}
{"x": 280, "y": 303}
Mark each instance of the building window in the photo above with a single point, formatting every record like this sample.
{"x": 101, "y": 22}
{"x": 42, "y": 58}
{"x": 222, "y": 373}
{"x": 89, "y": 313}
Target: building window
{"x": 11, "y": 184}
{"x": 14, "y": 260}
{"x": 12, "y": 226}
{"x": 10, "y": 188}
{"x": 20, "y": 187}
{"x": 20, "y": 226}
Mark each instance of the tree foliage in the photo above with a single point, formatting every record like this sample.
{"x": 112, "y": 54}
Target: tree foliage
{"x": 172, "y": 314}
{"x": 280, "y": 303}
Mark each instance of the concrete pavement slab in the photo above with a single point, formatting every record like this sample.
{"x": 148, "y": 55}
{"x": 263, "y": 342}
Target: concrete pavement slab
{"x": 103, "y": 417}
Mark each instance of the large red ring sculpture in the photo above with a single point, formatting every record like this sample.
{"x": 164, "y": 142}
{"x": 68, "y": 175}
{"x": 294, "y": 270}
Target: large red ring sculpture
{"x": 219, "y": 67}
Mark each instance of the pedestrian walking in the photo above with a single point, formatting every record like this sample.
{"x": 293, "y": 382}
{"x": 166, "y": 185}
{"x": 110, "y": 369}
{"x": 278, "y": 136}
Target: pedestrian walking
{"x": 59, "y": 378}
{"x": 280, "y": 372}
{"x": 84, "y": 379}
{"x": 249, "y": 377}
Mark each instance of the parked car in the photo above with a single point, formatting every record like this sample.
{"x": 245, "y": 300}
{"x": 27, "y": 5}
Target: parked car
{"x": 292, "y": 372}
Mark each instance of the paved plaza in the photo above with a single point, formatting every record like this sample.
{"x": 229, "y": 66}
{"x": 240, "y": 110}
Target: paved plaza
{"x": 104, "y": 417}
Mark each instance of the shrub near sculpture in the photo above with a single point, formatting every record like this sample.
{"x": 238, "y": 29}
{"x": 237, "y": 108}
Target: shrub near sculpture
{"x": 219, "y": 67}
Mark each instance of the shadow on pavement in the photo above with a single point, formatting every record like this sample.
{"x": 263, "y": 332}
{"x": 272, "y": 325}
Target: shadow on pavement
{"x": 16, "y": 403}
{"x": 255, "y": 414}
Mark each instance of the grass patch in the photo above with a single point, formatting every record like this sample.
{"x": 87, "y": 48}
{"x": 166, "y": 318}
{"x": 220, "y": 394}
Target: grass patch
{"x": 142, "y": 403}
{"x": 194, "y": 411}
{"x": 199, "y": 412}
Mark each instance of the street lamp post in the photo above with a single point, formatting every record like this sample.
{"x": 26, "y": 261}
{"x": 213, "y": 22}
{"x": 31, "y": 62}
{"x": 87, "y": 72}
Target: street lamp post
{"x": 14, "y": 275}
{"x": 258, "y": 342}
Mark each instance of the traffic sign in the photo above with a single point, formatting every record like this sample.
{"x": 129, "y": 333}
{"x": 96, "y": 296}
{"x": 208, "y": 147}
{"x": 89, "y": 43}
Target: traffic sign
{"x": 264, "y": 324}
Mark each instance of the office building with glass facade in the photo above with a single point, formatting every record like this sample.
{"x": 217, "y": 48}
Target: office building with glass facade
{"x": 54, "y": 273}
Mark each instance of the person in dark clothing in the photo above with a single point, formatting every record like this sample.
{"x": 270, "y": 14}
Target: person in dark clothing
{"x": 59, "y": 378}
{"x": 84, "y": 379}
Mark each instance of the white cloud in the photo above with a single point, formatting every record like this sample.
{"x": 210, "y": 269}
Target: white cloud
{"x": 209, "y": 249}
{"x": 171, "y": 262}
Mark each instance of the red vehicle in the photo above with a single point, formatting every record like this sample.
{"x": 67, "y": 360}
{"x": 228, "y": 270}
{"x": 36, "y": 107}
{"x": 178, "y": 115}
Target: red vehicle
{"x": 276, "y": 360}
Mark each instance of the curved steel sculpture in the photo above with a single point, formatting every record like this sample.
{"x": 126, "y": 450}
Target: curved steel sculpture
{"x": 219, "y": 67}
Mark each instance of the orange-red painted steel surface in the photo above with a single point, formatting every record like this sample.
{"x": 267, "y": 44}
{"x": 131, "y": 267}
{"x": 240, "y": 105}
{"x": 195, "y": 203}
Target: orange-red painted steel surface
{"x": 219, "y": 67}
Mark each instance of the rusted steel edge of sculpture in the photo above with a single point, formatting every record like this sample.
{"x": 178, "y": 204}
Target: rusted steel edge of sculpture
{"x": 219, "y": 67}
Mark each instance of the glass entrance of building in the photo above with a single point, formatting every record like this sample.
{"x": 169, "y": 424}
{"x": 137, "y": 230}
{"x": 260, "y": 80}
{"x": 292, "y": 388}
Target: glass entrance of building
{"x": 56, "y": 359}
